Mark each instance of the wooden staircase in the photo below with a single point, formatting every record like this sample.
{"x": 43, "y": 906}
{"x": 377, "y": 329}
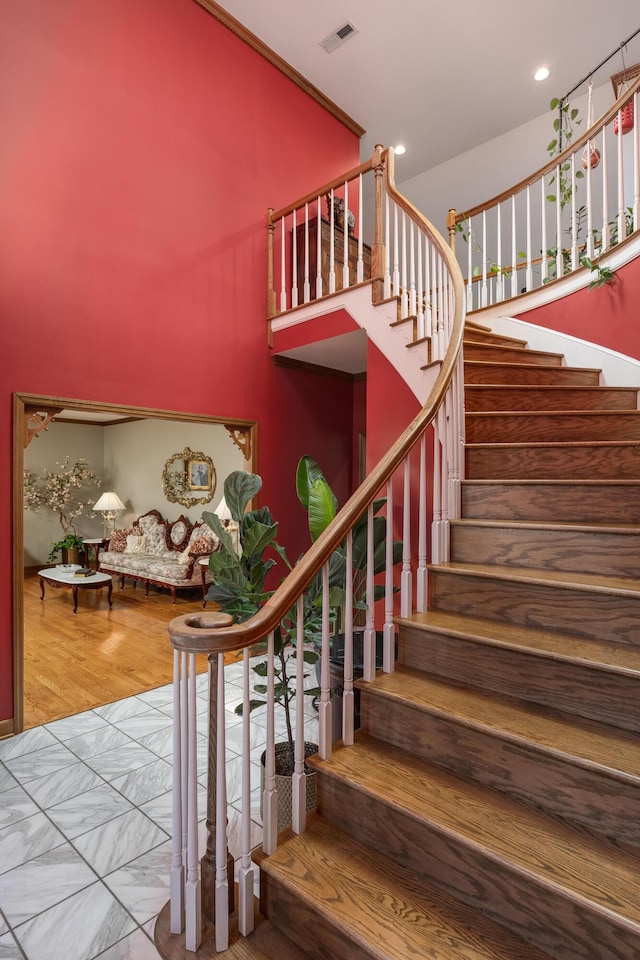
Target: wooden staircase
{"x": 489, "y": 809}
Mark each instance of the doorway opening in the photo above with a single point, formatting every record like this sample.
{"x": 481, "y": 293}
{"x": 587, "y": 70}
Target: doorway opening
{"x": 33, "y": 414}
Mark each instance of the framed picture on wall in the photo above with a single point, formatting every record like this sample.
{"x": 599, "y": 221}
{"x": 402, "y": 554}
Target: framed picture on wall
{"x": 199, "y": 475}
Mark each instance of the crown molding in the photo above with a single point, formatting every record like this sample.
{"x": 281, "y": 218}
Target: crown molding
{"x": 290, "y": 72}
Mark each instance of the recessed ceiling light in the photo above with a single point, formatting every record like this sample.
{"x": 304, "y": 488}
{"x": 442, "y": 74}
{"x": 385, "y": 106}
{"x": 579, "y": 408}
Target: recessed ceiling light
{"x": 399, "y": 150}
{"x": 541, "y": 74}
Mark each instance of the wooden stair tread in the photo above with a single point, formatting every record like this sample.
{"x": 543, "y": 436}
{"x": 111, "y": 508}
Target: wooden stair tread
{"x": 578, "y": 740}
{"x": 619, "y": 657}
{"x": 626, "y": 586}
{"x": 536, "y": 387}
{"x": 555, "y": 444}
{"x": 554, "y": 483}
{"x": 602, "y": 527}
{"x": 265, "y": 943}
{"x": 516, "y": 365}
{"x": 389, "y": 911}
{"x": 563, "y": 858}
{"x": 510, "y": 350}
{"x": 548, "y": 413}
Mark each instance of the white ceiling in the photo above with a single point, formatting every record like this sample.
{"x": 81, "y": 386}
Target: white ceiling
{"x": 443, "y": 77}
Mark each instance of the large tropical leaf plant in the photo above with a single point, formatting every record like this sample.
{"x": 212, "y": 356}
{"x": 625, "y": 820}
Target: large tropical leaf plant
{"x": 239, "y": 588}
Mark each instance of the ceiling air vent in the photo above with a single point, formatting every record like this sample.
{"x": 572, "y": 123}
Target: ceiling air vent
{"x": 337, "y": 37}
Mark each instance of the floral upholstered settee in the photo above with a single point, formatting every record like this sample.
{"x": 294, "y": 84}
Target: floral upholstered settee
{"x": 159, "y": 551}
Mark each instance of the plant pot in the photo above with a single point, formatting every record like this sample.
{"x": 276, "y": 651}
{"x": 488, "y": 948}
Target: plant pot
{"x": 71, "y": 554}
{"x": 284, "y": 783}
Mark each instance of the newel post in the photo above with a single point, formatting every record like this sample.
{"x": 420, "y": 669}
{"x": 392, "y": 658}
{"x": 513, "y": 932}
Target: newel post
{"x": 271, "y": 292}
{"x": 451, "y": 227}
{"x": 377, "y": 250}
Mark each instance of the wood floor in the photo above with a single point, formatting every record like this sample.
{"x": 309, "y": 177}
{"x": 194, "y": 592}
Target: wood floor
{"x": 77, "y": 662}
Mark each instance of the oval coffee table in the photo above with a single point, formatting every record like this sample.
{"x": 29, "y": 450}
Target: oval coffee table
{"x": 66, "y": 578}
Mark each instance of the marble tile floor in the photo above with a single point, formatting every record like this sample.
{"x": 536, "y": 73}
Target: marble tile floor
{"x": 85, "y": 824}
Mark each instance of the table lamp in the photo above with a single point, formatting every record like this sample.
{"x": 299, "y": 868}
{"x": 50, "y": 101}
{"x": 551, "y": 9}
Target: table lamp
{"x": 109, "y": 505}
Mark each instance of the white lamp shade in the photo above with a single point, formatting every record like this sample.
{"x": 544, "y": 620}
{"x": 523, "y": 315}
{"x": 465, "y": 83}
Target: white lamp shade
{"x": 109, "y": 501}
{"x": 222, "y": 511}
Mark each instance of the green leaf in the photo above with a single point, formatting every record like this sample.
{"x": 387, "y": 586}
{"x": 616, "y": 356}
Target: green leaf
{"x": 257, "y": 539}
{"x": 322, "y": 507}
{"x": 574, "y": 113}
{"x": 239, "y": 488}
{"x": 554, "y": 103}
{"x": 556, "y": 124}
{"x": 215, "y": 524}
{"x": 308, "y": 471}
{"x": 579, "y": 174}
{"x": 551, "y": 197}
{"x": 552, "y": 145}
{"x": 253, "y": 705}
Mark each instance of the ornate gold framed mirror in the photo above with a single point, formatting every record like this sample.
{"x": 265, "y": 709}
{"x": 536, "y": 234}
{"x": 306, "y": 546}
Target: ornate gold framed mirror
{"x": 189, "y": 478}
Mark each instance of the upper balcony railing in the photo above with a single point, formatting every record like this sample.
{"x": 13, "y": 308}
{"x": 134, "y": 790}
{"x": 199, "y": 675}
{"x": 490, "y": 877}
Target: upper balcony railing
{"x": 419, "y": 478}
{"x": 563, "y": 218}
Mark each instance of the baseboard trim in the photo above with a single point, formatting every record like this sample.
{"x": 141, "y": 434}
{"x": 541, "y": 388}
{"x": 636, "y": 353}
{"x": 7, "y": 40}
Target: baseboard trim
{"x": 6, "y": 728}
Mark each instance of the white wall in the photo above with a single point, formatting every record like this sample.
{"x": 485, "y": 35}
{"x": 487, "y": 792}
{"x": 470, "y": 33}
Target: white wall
{"x": 42, "y": 528}
{"x": 129, "y": 458}
{"x": 486, "y": 171}
{"x": 135, "y": 454}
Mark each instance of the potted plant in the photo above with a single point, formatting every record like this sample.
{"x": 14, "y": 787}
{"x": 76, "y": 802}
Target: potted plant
{"x": 239, "y": 589}
{"x": 60, "y": 491}
{"x": 70, "y": 548}
{"x": 320, "y": 502}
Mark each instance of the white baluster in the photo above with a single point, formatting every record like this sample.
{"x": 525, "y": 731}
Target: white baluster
{"x": 413, "y": 309}
{"x": 388, "y": 655}
{"x": 559, "y": 258}
{"x": 428, "y": 313}
{"x": 589, "y": 244}
{"x": 283, "y": 269}
{"x": 404, "y": 293}
{"x": 574, "y": 232}
{"x": 437, "y": 499}
{"x": 193, "y": 916}
{"x": 405, "y": 577}
{"x": 441, "y": 343}
{"x": 360, "y": 268}
{"x": 369, "y": 638}
{"x": 222, "y": 880}
{"x": 444, "y": 484}
{"x": 348, "y": 700}
{"x": 396, "y": 262}
{"x": 514, "y": 250}
{"x": 605, "y": 195}
{"x": 307, "y": 285}
{"x": 529, "y": 273}
{"x": 422, "y": 582}
{"x": 332, "y": 261}
{"x": 294, "y": 247}
{"x": 469, "y": 268}
{"x": 299, "y": 780}
{"x": 636, "y": 165}
{"x": 499, "y": 283}
{"x": 345, "y": 238}
{"x": 319, "y": 252}
{"x": 270, "y": 796}
{"x": 484, "y": 299}
{"x": 184, "y": 754}
{"x": 245, "y": 874}
{"x": 544, "y": 267}
{"x": 324, "y": 706}
{"x": 421, "y": 292}
{"x": 176, "y": 882}
{"x": 387, "y": 252}
{"x": 622, "y": 223}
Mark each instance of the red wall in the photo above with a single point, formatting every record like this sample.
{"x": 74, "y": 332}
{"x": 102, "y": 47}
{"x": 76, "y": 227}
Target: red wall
{"x": 142, "y": 144}
{"x": 608, "y": 315}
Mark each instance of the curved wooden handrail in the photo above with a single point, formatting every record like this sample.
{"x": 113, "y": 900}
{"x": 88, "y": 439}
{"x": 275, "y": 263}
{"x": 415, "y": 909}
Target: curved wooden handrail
{"x": 553, "y": 164}
{"x": 198, "y": 633}
{"x": 313, "y": 196}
